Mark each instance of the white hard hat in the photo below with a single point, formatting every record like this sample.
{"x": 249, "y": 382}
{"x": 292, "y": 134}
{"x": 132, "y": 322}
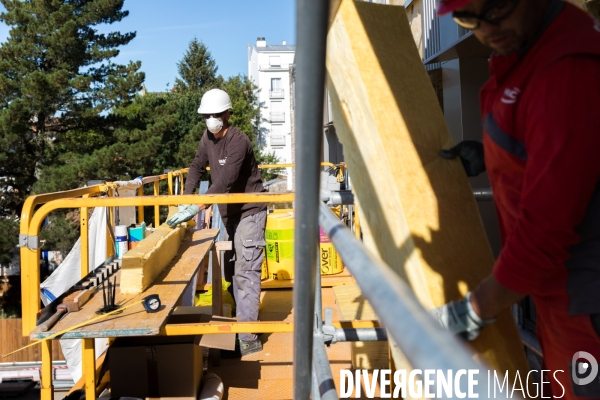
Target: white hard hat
{"x": 214, "y": 101}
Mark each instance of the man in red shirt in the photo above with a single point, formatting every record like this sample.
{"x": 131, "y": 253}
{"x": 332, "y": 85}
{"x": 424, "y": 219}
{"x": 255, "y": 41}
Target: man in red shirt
{"x": 541, "y": 140}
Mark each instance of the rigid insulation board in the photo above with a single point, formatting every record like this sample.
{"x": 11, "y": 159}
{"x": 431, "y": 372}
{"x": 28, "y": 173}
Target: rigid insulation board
{"x": 146, "y": 261}
{"x": 419, "y": 214}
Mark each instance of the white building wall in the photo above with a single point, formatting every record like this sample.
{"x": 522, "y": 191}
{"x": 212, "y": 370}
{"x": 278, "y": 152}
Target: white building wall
{"x": 268, "y": 68}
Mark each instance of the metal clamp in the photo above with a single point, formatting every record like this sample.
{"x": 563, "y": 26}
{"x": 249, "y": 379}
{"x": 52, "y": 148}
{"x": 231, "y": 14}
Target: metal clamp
{"x": 31, "y": 242}
{"x": 328, "y": 330}
{"x": 23, "y": 239}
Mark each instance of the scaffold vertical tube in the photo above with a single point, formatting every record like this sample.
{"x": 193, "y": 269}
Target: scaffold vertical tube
{"x": 311, "y": 36}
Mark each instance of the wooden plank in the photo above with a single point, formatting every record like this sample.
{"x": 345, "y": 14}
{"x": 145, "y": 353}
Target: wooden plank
{"x": 146, "y": 261}
{"x": 343, "y": 278}
{"x": 135, "y": 321}
{"x": 352, "y": 306}
{"x": 217, "y": 294}
{"x": 11, "y": 338}
{"x": 418, "y": 213}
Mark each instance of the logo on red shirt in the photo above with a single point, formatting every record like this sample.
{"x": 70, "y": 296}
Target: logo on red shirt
{"x": 510, "y": 95}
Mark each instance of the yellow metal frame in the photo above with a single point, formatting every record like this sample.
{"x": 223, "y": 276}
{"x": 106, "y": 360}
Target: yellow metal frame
{"x": 340, "y": 169}
{"x": 255, "y": 327}
{"x": 37, "y": 207}
{"x": 31, "y": 223}
{"x": 30, "y": 264}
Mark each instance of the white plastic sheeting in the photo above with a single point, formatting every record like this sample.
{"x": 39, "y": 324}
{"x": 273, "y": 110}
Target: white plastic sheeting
{"x": 68, "y": 274}
{"x": 129, "y": 185}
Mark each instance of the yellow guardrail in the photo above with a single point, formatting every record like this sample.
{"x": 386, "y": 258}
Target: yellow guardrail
{"x": 30, "y": 254}
{"x": 37, "y": 207}
{"x": 85, "y": 198}
{"x": 341, "y": 167}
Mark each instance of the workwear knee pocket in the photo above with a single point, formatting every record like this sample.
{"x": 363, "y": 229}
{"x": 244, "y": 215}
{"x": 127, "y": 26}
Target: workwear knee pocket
{"x": 251, "y": 252}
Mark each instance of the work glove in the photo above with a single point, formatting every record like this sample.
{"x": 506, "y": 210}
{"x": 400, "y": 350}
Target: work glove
{"x": 471, "y": 156}
{"x": 460, "y": 318}
{"x": 185, "y": 213}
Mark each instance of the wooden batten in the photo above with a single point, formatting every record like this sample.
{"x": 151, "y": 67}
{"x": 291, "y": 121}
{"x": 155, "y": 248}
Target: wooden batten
{"x": 147, "y": 260}
{"x": 419, "y": 215}
{"x": 353, "y": 306}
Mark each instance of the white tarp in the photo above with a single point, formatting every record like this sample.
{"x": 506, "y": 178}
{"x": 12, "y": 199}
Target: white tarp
{"x": 68, "y": 274}
{"x": 129, "y": 185}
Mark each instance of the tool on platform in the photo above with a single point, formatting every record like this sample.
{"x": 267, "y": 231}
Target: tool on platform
{"x": 76, "y": 296}
{"x": 108, "y": 296}
{"x": 151, "y": 304}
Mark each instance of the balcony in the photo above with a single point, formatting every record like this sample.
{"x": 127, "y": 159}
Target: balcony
{"x": 268, "y": 67}
{"x": 277, "y": 116}
{"x": 276, "y": 94}
{"x": 277, "y": 140}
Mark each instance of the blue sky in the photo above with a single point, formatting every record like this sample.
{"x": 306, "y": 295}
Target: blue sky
{"x": 165, "y": 28}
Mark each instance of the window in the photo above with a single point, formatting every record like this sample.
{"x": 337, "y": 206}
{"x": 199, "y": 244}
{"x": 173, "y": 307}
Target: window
{"x": 276, "y": 89}
{"x": 274, "y": 61}
{"x": 277, "y": 137}
{"x": 276, "y": 129}
{"x": 277, "y": 140}
{"x": 276, "y": 112}
{"x": 275, "y": 83}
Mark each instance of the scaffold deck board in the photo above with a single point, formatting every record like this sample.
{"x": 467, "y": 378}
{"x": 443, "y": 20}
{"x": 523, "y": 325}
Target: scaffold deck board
{"x": 353, "y": 306}
{"x": 135, "y": 321}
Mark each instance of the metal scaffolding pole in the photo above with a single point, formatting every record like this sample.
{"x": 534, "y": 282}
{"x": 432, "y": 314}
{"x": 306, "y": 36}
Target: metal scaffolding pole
{"x": 311, "y": 36}
{"x": 322, "y": 369}
{"x": 422, "y": 340}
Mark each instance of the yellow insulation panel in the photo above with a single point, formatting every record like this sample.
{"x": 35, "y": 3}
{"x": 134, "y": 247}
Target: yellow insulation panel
{"x": 418, "y": 215}
{"x": 142, "y": 265}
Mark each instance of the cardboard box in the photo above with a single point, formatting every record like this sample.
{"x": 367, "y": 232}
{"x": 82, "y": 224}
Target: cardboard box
{"x": 156, "y": 367}
{"x": 164, "y": 367}
{"x": 137, "y": 233}
{"x": 187, "y": 315}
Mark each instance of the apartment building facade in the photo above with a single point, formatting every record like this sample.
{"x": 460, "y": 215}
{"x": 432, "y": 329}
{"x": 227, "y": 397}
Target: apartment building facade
{"x": 269, "y": 68}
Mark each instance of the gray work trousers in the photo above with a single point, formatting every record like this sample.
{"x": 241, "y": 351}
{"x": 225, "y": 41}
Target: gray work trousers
{"x": 243, "y": 266}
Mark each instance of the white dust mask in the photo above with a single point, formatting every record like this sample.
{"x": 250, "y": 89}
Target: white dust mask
{"x": 214, "y": 124}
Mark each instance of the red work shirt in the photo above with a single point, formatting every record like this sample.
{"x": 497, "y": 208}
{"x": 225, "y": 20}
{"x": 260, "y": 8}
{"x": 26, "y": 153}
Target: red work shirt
{"x": 541, "y": 112}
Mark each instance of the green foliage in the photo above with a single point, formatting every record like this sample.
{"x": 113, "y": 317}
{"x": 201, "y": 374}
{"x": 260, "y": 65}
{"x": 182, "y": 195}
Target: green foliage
{"x": 56, "y": 77}
{"x": 138, "y": 145}
{"x": 197, "y": 70}
{"x": 151, "y": 133}
{"x": 61, "y": 230}
{"x": 190, "y": 127}
{"x": 245, "y": 109}
{"x": 9, "y": 238}
{"x": 265, "y": 159}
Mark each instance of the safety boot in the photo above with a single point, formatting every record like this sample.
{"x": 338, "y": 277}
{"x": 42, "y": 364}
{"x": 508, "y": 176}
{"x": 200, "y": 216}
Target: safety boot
{"x": 250, "y": 346}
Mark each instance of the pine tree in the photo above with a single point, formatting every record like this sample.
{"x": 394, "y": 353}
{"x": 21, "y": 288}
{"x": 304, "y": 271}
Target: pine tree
{"x": 56, "y": 81}
{"x": 197, "y": 70}
{"x": 154, "y": 132}
{"x": 9, "y": 230}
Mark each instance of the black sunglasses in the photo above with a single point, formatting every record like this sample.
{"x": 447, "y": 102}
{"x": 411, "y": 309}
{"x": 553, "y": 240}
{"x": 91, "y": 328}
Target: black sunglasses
{"x": 214, "y": 115}
{"x": 493, "y": 13}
